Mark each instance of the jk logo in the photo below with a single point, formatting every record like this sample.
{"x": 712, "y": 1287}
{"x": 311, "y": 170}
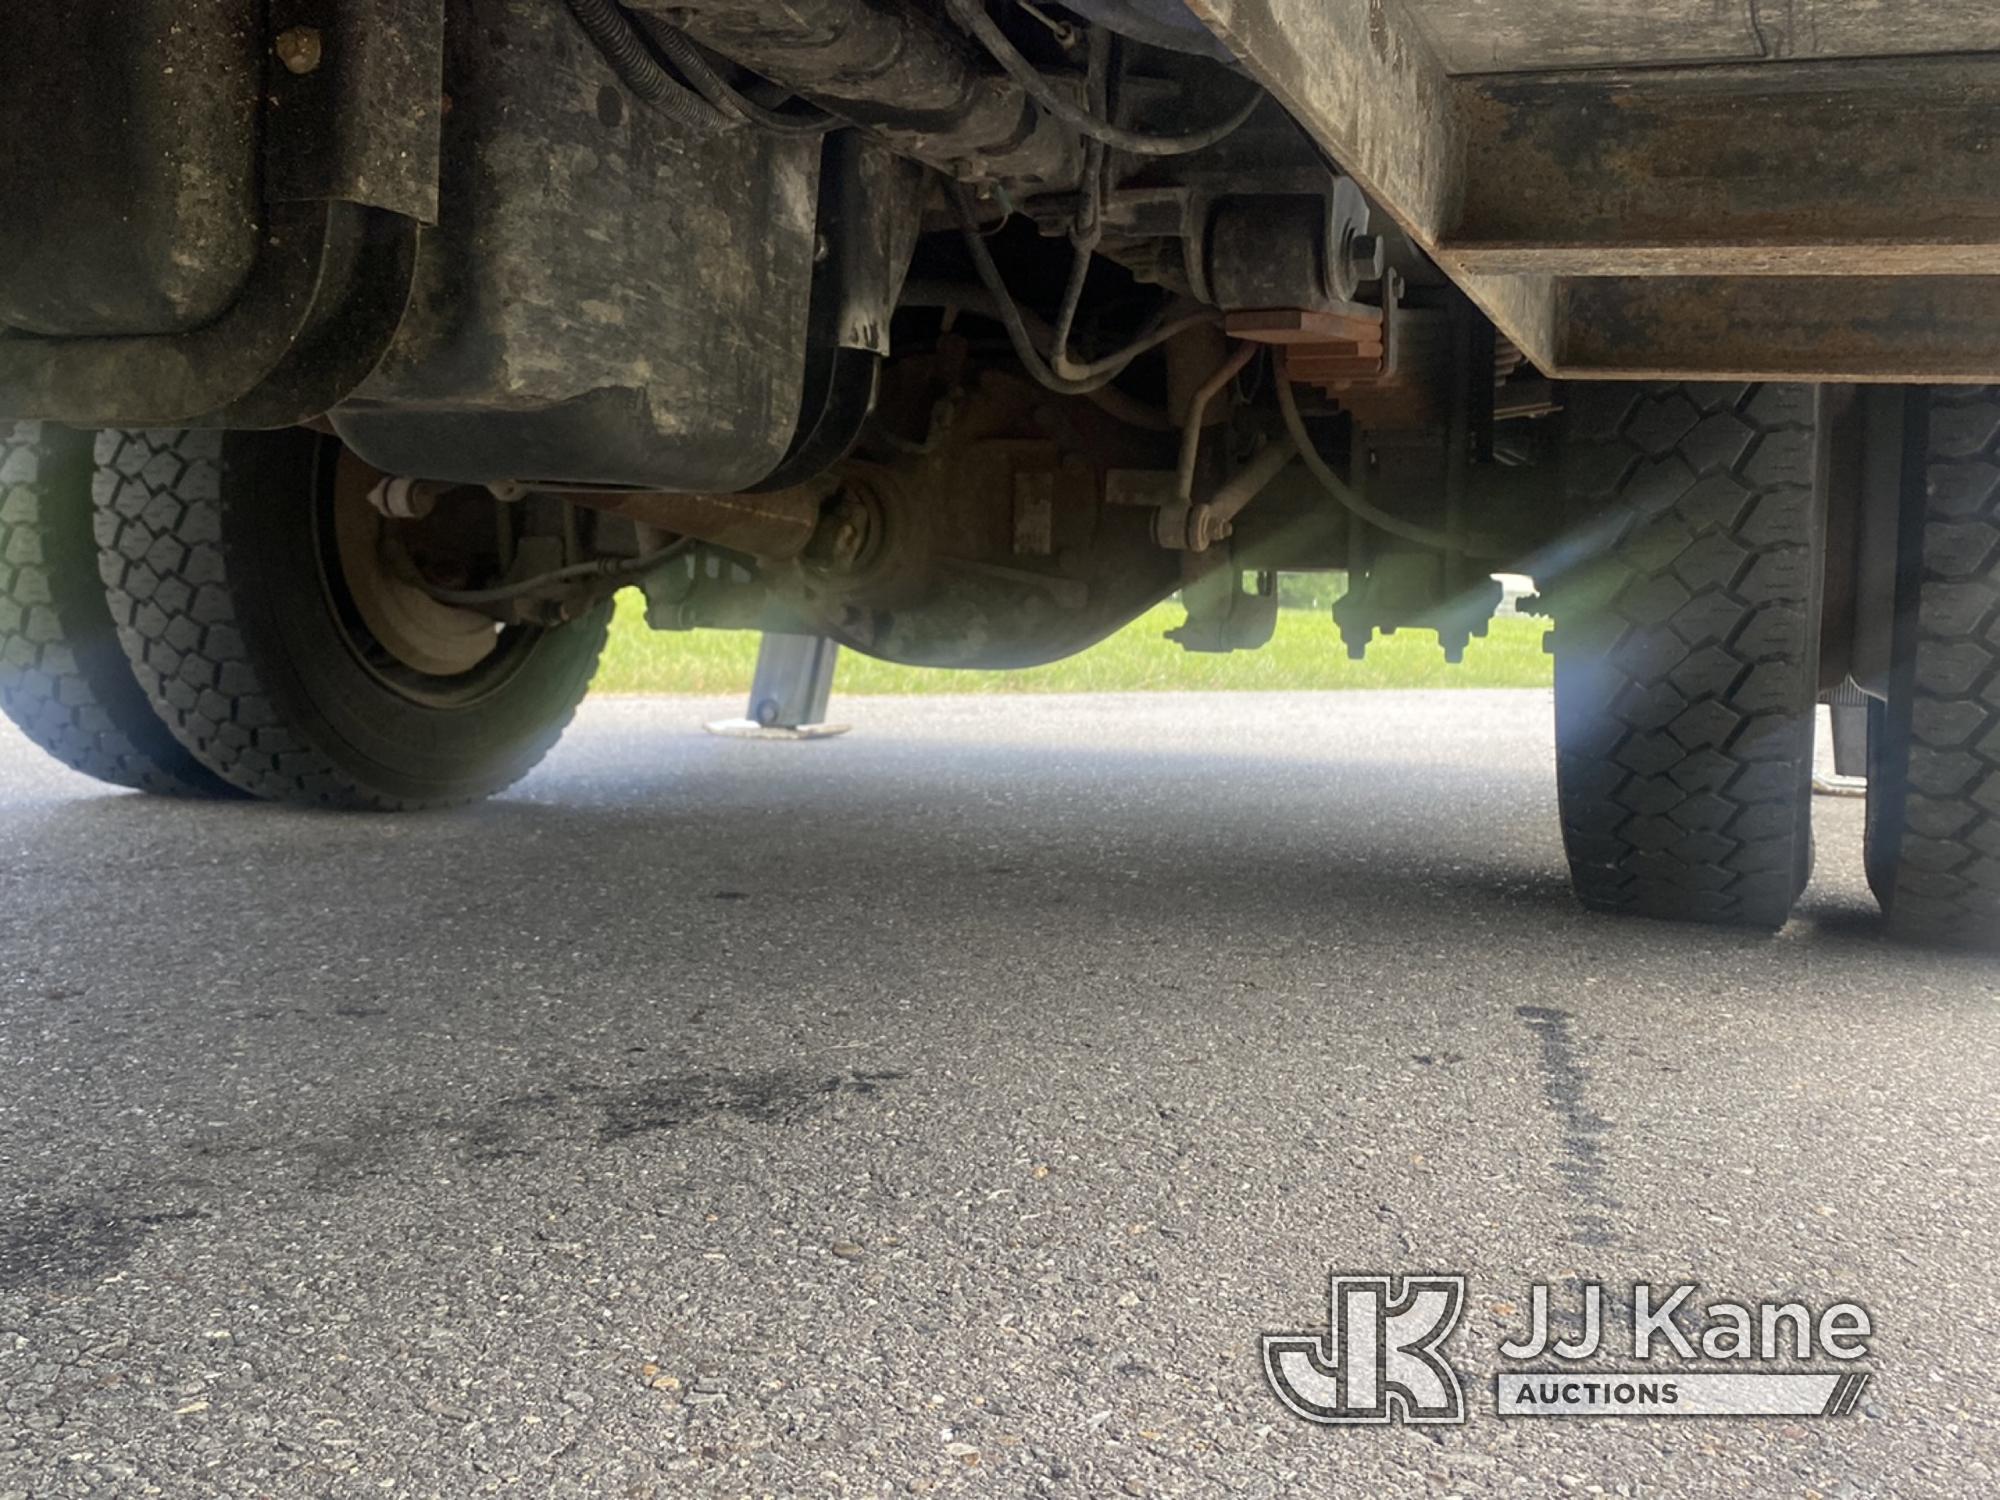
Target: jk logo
{"x": 1379, "y": 1360}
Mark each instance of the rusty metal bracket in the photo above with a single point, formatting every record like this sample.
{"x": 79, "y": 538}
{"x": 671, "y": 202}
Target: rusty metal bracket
{"x": 1352, "y": 345}
{"x": 355, "y": 104}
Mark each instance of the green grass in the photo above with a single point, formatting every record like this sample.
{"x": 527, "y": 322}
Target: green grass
{"x": 1305, "y": 653}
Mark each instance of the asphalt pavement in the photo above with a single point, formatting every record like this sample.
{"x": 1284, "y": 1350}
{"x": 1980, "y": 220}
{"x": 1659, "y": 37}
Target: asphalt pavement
{"x": 946, "y": 1109}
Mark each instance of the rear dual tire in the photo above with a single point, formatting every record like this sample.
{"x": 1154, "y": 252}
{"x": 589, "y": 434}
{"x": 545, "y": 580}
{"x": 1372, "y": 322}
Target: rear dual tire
{"x": 64, "y": 678}
{"x": 1933, "y": 841}
{"x": 1686, "y": 648}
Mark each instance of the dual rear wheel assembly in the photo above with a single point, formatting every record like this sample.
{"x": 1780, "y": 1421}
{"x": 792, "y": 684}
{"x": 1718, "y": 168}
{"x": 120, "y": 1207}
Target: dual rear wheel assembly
{"x": 1687, "y": 646}
{"x": 215, "y": 614}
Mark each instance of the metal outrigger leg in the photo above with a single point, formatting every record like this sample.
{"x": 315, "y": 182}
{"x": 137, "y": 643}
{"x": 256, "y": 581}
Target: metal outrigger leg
{"x": 1850, "y": 744}
{"x": 789, "y": 692}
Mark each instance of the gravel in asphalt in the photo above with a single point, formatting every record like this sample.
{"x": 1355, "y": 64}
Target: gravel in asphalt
{"x": 945, "y": 1109}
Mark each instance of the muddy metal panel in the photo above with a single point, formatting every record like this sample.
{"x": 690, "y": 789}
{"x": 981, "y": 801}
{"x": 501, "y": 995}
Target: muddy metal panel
{"x": 353, "y": 110}
{"x": 608, "y": 297}
{"x": 127, "y": 163}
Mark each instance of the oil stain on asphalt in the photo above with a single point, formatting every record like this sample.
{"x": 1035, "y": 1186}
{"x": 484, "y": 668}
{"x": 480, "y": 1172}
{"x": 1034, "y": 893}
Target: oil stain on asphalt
{"x": 1582, "y": 1164}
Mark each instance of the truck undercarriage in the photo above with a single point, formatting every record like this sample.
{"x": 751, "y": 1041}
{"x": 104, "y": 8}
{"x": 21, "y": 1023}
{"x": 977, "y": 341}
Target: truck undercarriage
{"x": 356, "y": 354}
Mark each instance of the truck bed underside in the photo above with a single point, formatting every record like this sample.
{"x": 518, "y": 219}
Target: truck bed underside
{"x": 1628, "y": 188}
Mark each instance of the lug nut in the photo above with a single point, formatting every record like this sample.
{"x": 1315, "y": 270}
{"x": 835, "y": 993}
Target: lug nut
{"x": 299, "y": 48}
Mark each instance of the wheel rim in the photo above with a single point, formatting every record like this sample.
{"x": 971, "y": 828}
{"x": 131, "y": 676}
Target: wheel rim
{"x": 424, "y": 650}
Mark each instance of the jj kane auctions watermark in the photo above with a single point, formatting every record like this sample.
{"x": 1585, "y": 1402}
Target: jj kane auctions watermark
{"x": 1382, "y": 1356}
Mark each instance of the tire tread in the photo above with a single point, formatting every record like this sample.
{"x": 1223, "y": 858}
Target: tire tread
{"x": 1943, "y": 867}
{"x": 63, "y": 680}
{"x": 1685, "y": 647}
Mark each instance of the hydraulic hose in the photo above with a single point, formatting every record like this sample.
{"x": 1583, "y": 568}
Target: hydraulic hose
{"x": 971, "y": 14}
{"x": 1471, "y": 544}
{"x": 1086, "y": 378}
{"x": 692, "y": 64}
{"x": 614, "y": 36}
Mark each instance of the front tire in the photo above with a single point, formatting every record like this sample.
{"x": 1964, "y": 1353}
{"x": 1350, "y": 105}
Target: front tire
{"x": 230, "y": 588}
{"x": 1686, "y": 649}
